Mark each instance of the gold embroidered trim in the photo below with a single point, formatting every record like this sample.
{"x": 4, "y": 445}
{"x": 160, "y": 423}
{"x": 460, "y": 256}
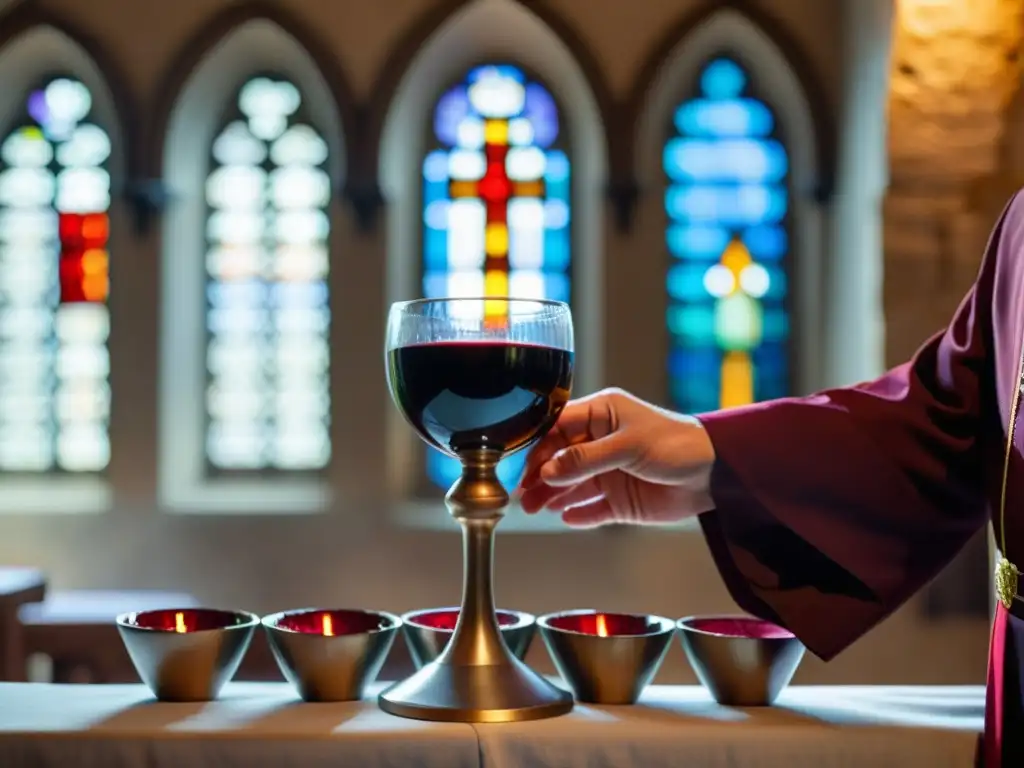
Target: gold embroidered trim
{"x": 1006, "y": 576}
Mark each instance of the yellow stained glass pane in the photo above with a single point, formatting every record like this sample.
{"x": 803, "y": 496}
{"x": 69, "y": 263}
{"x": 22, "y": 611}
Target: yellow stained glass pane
{"x": 495, "y": 284}
{"x": 95, "y": 287}
{"x": 496, "y": 240}
{"x": 496, "y": 132}
{"x": 528, "y": 189}
{"x": 462, "y": 189}
{"x": 736, "y": 257}
{"x": 94, "y": 262}
{"x": 737, "y": 380}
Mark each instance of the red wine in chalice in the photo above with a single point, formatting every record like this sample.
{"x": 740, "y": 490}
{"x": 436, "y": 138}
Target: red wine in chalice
{"x": 472, "y": 395}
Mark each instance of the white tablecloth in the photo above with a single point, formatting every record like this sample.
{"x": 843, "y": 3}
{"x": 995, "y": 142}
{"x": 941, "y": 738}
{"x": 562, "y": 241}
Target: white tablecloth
{"x": 262, "y": 724}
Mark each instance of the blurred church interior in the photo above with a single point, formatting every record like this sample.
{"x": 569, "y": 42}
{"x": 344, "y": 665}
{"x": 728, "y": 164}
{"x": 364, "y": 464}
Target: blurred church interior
{"x": 207, "y": 206}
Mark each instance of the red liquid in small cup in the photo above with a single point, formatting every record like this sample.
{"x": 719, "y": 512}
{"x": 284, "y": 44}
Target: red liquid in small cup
{"x": 740, "y": 627}
{"x": 445, "y": 620}
{"x": 187, "y": 620}
{"x": 606, "y": 624}
{"x": 333, "y": 623}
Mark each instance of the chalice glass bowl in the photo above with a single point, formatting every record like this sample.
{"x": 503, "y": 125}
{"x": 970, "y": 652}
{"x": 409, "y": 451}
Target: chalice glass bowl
{"x": 478, "y": 379}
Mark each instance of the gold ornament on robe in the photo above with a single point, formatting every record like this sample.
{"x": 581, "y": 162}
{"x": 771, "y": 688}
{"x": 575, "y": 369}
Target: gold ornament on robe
{"x": 1006, "y": 582}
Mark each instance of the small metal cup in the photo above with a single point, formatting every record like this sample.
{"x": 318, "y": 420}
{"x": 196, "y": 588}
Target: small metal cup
{"x": 186, "y": 654}
{"x": 742, "y": 661}
{"x": 331, "y": 655}
{"x": 427, "y": 632}
{"x": 606, "y": 658}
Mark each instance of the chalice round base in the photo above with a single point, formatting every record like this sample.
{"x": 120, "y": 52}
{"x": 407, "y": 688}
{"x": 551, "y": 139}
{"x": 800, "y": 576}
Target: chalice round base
{"x": 506, "y": 692}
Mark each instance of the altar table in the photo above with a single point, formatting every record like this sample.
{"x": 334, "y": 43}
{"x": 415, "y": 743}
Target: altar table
{"x": 262, "y": 724}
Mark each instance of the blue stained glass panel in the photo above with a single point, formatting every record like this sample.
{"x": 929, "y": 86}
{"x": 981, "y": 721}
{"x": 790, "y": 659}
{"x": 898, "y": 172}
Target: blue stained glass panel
{"x": 752, "y": 161}
{"x": 505, "y": 71}
{"x": 556, "y": 287}
{"x": 451, "y": 109}
{"x": 433, "y": 191}
{"x": 775, "y": 324}
{"x": 527, "y": 233}
{"x": 435, "y": 214}
{"x": 556, "y": 250}
{"x": 727, "y": 118}
{"x": 727, "y": 203}
{"x": 771, "y": 363}
{"x": 736, "y": 206}
{"x": 778, "y": 283}
{"x": 692, "y": 324}
{"x": 696, "y": 376}
{"x": 435, "y": 284}
{"x": 557, "y": 167}
{"x": 435, "y": 250}
{"x": 542, "y": 113}
{"x": 556, "y": 214}
{"x": 697, "y": 242}
{"x": 723, "y": 79}
{"x": 435, "y": 168}
{"x": 766, "y": 243}
{"x": 686, "y": 282}
{"x": 556, "y": 176}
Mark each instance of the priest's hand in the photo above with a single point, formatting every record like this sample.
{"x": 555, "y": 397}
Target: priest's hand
{"x": 613, "y": 458}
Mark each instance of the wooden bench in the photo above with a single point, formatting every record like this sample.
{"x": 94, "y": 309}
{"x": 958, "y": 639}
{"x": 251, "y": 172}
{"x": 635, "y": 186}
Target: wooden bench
{"x": 17, "y": 587}
{"x": 77, "y": 631}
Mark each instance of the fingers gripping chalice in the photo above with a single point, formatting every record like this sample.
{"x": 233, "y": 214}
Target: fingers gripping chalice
{"x": 478, "y": 379}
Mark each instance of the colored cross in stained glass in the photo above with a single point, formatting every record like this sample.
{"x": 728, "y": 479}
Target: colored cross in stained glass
{"x": 496, "y": 206}
{"x": 495, "y": 189}
{"x": 727, "y": 203}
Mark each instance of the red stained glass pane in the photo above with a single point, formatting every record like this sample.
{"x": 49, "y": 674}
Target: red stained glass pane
{"x": 95, "y": 230}
{"x": 497, "y": 211}
{"x": 71, "y": 266}
{"x": 495, "y": 185}
{"x": 76, "y": 284}
{"x": 71, "y": 275}
{"x": 70, "y": 225}
{"x": 71, "y": 292}
{"x": 496, "y": 154}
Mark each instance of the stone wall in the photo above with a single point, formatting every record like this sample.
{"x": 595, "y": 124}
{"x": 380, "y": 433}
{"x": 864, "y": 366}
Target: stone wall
{"x": 955, "y": 71}
{"x": 954, "y": 110}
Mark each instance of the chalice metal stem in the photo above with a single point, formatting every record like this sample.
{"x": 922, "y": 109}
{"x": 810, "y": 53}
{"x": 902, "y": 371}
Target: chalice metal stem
{"x": 476, "y": 679}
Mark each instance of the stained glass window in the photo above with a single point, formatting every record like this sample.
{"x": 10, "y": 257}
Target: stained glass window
{"x": 727, "y": 204}
{"x": 496, "y": 204}
{"x": 54, "y": 323}
{"x": 267, "y": 355}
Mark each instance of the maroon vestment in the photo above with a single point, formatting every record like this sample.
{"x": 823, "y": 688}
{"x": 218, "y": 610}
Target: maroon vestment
{"x": 833, "y": 509}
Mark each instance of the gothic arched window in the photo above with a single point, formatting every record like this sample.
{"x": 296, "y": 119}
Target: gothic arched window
{"x": 496, "y": 203}
{"x": 54, "y": 284}
{"x": 727, "y": 202}
{"x": 268, "y": 317}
